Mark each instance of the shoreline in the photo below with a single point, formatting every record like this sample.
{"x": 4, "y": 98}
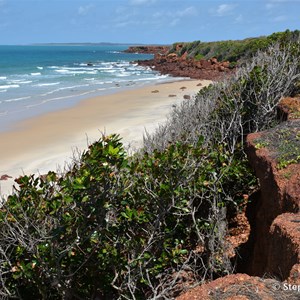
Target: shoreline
{"x": 47, "y": 142}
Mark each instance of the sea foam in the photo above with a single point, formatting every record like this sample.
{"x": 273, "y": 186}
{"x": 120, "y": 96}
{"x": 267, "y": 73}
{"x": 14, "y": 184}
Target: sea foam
{"x": 9, "y": 86}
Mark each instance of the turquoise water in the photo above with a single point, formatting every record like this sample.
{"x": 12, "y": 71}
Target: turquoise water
{"x": 39, "y": 79}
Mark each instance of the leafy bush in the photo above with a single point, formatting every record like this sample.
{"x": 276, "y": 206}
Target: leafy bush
{"x": 227, "y": 111}
{"x": 120, "y": 227}
{"x": 234, "y": 51}
{"x": 113, "y": 226}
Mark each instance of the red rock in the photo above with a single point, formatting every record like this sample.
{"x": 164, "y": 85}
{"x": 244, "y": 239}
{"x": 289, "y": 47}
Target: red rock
{"x": 225, "y": 64}
{"x": 205, "y": 64}
{"x": 275, "y": 223}
{"x": 295, "y": 275}
{"x": 179, "y": 47}
{"x": 5, "y": 177}
{"x": 284, "y": 247}
{"x": 184, "y": 56}
{"x": 185, "y": 67}
{"x": 198, "y": 64}
{"x": 221, "y": 68}
{"x": 239, "y": 287}
{"x": 148, "y": 49}
{"x": 289, "y": 108}
{"x": 214, "y": 60}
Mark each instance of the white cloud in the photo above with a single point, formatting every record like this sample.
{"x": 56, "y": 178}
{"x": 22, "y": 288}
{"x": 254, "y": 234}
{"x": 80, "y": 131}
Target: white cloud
{"x": 224, "y": 9}
{"x": 270, "y": 6}
{"x": 125, "y": 16}
{"x": 174, "y": 22}
{"x": 280, "y": 18}
{"x": 189, "y": 11}
{"x": 120, "y": 10}
{"x": 158, "y": 14}
{"x": 125, "y": 24}
{"x": 141, "y": 2}
{"x": 274, "y": 4}
{"x": 174, "y": 17}
{"x": 239, "y": 19}
{"x": 3, "y": 25}
{"x": 3, "y": 7}
{"x": 84, "y": 10}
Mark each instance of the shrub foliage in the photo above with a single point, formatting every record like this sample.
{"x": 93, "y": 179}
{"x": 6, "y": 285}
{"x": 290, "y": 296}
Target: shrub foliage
{"x": 116, "y": 226}
{"x": 234, "y": 50}
{"x": 113, "y": 226}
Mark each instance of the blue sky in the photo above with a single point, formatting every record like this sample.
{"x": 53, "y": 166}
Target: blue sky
{"x": 142, "y": 21}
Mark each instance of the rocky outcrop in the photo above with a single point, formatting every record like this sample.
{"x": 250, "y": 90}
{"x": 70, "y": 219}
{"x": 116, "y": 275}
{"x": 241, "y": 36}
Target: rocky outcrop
{"x": 182, "y": 66}
{"x": 242, "y": 287}
{"x": 273, "y": 247}
{"x": 5, "y": 177}
{"x": 283, "y": 252}
{"x": 148, "y": 49}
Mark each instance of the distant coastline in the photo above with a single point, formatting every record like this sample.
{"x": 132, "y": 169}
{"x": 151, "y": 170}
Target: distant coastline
{"x": 93, "y": 44}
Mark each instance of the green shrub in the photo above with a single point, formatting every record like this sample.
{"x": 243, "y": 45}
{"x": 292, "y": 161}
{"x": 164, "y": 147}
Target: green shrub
{"x": 234, "y": 51}
{"x": 119, "y": 227}
{"x": 113, "y": 226}
{"x": 199, "y": 56}
{"x": 228, "y": 110}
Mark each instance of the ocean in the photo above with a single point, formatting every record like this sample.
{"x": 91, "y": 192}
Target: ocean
{"x": 38, "y": 79}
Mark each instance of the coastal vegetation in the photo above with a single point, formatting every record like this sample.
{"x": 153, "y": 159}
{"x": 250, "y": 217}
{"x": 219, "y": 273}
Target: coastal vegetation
{"x": 115, "y": 226}
{"x": 233, "y": 50}
{"x": 284, "y": 142}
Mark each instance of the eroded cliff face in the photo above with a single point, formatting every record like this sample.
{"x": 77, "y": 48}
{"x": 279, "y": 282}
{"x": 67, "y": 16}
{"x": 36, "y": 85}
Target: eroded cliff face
{"x": 273, "y": 247}
{"x": 274, "y": 243}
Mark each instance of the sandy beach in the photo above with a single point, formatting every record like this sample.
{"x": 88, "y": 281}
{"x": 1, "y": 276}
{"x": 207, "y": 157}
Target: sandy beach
{"x": 47, "y": 142}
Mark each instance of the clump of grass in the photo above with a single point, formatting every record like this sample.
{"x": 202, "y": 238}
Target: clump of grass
{"x": 284, "y": 143}
{"x": 260, "y": 143}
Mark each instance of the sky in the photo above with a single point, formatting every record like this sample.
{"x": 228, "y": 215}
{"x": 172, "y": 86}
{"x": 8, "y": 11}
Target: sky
{"x": 142, "y": 21}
